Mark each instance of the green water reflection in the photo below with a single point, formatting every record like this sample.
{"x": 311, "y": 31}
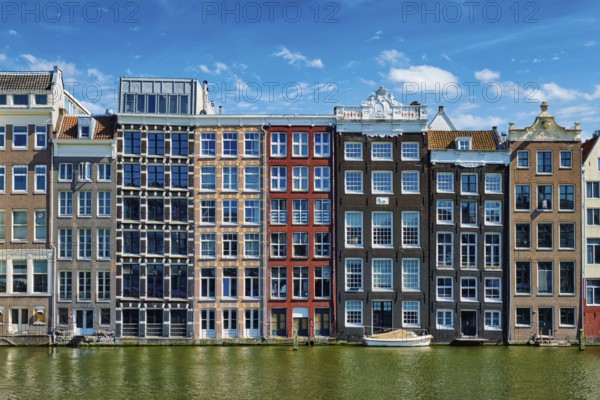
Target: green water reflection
{"x": 309, "y": 373}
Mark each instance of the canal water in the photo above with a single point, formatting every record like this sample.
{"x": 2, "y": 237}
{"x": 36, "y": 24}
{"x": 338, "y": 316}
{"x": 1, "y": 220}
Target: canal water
{"x": 277, "y": 372}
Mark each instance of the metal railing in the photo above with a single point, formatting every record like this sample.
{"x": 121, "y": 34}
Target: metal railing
{"x": 154, "y": 330}
{"x": 178, "y": 330}
{"x": 130, "y": 330}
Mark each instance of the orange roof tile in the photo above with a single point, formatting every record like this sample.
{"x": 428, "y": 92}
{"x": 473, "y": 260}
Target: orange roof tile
{"x": 106, "y": 127}
{"x": 482, "y": 140}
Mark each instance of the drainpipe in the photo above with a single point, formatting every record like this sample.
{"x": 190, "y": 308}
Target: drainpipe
{"x": 583, "y": 259}
{"x": 50, "y": 236}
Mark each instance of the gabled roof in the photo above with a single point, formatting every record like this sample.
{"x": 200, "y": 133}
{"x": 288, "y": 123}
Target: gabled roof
{"x": 106, "y": 127}
{"x": 441, "y": 122}
{"x": 25, "y": 81}
{"x": 482, "y": 140}
{"x": 587, "y": 146}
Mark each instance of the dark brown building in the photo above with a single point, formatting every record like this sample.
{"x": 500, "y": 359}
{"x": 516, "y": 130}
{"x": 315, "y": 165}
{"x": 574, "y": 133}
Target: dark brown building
{"x": 382, "y": 217}
{"x": 467, "y": 235}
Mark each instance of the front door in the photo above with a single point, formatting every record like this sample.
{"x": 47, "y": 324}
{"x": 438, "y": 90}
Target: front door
{"x": 19, "y": 320}
{"x": 84, "y": 322}
{"x": 301, "y": 326}
{"x": 546, "y": 322}
{"x": 468, "y": 323}
{"x": 382, "y": 316}
{"x": 322, "y": 327}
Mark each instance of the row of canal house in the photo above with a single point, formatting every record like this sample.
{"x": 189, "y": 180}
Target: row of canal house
{"x": 168, "y": 220}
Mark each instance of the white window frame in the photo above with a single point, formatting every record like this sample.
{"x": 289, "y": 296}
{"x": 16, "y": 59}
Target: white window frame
{"x": 354, "y": 268}
{"x": 382, "y": 274}
{"x": 411, "y": 306}
{"x": 354, "y": 310}
{"x": 300, "y": 179}
{"x": 445, "y": 314}
{"x": 278, "y": 144}
{"x": 249, "y": 178}
{"x": 468, "y": 283}
{"x": 519, "y": 153}
{"x": 472, "y": 247}
{"x": 322, "y": 212}
{"x": 382, "y": 182}
{"x": 104, "y": 204}
{"x": 411, "y": 273}
{"x": 278, "y": 180}
{"x": 489, "y": 291}
{"x": 406, "y": 154}
{"x": 104, "y": 172}
{"x": 560, "y": 161}
{"x": 445, "y": 184}
{"x": 252, "y": 138}
{"x": 26, "y": 175}
{"x": 230, "y": 178}
{"x": 41, "y": 132}
{"x": 322, "y": 179}
{"x": 405, "y": 232}
{"x": 441, "y": 287}
{"x": 492, "y": 250}
{"x": 351, "y": 184}
{"x": 492, "y": 208}
{"x": 445, "y": 208}
{"x": 322, "y": 144}
{"x": 492, "y": 315}
{"x": 229, "y": 143}
{"x": 493, "y": 183}
{"x": 14, "y": 133}
{"x": 350, "y": 148}
{"x": 40, "y": 173}
{"x": 65, "y": 172}
{"x": 464, "y": 175}
{"x": 84, "y": 204}
{"x": 300, "y": 144}
{"x": 104, "y": 246}
{"x": 359, "y": 227}
{"x": 84, "y": 244}
{"x": 381, "y": 223}
{"x": 379, "y": 147}
{"x": 410, "y": 182}
{"x": 447, "y": 250}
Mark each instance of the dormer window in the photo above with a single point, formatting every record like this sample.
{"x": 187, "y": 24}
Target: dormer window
{"x": 463, "y": 143}
{"x": 20, "y": 99}
{"x": 2, "y": 99}
{"x": 85, "y": 127}
{"x": 41, "y": 99}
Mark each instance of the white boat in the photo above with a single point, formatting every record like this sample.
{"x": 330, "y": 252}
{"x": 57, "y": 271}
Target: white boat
{"x": 398, "y": 338}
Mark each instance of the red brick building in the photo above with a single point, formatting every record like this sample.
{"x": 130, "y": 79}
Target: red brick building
{"x": 300, "y": 231}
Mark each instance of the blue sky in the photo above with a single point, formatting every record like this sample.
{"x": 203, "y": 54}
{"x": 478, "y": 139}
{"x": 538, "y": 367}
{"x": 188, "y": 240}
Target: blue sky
{"x": 487, "y": 62}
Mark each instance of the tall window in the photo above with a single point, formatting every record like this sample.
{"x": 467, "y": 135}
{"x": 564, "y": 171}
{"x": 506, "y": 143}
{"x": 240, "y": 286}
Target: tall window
{"x": 278, "y": 212}
{"x": 179, "y": 209}
{"x": 131, "y": 175}
{"x": 545, "y": 277}
{"x": 154, "y": 280}
{"x": 132, "y": 142}
{"x": 322, "y": 244}
{"x": 251, "y": 245}
{"x": 410, "y": 274}
{"x": 522, "y": 197}
{"x": 155, "y": 209}
{"x": 208, "y": 180}
{"x": 410, "y": 151}
{"x": 322, "y": 144}
{"x": 445, "y": 212}
{"x": 523, "y": 277}
{"x": 132, "y": 208}
{"x": 208, "y": 144}
{"x": 179, "y": 243}
{"x": 131, "y": 280}
{"x": 567, "y": 236}
{"x": 251, "y": 283}
{"x": 493, "y": 251}
{"x": 544, "y": 162}
{"x": 65, "y": 243}
{"x": 493, "y": 183}
{"x": 155, "y": 242}
{"x": 300, "y": 179}
{"x": 252, "y": 179}
{"x": 410, "y": 229}
{"x": 300, "y": 245}
{"x": 19, "y": 228}
{"x": 468, "y": 289}
{"x": 322, "y": 180}
{"x": 493, "y": 212}
{"x": 19, "y": 140}
{"x": 84, "y": 290}
{"x": 40, "y": 136}
{"x": 85, "y": 204}
{"x": 251, "y": 144}
{"x": 354, "y": 274}
{"x": 40, "y": 276}
{"x": 278, "y": 144}
{"x": 230, "y": 144}
{"x": 179, "y": 144}
{"x": 278, "y": 282}
{"x": 593, "y": 251}
{"x": 230, "y": 179}
{"x": 592, "y": 297}
{"x": 279, "y": 179}
{"x": 445, "y": 250}
{"x": 566, "y": 197}
{"x": 300, "y": 144}
{"x": 544, "y": 197}
{"x": 230, "y": 212}
{"x": 381, "y": 229}
{"x": 2, "y": 179}
{"x": 84, "y": 244}
{"x": 252, "y": 212}
{"x": 179, "y": 176}
{"x": 567, "y": 277}
{"x": 322, "y": 212}
{"x": 103, "y": 244}
{"x": 382, "y": 274}
{"x": 468, "y": 183}
{"x": 207, "y": 283}
{"x": 468, "y": 213}
{"x": 103, "y": 285}
{"x": 523, "y": 235}
{"x": 566, "y": 159}
{"x": 278, "y": 245}
{"x": 156, "y": 144}
{"x": 493, "y": 291}
{"x": 40, "y": 226}
{"x": 156, "y": 176}
{"x": 522, "y": 159}
{"x": 104, "y": 172}
{"x": 19, "y": 179}
{"x": 230, "y": 282}
{"x": 300, "y": 211}
{"x": 300, "y": 282}
{"x": 40, "y": 179}
{"x": 468, "y": 250}
{"x": 65, "y": 291}
{"x": 592, "y": 190}
{"x": 131, "y": 242}
{"x": 410, "y": 182}
{"x": 322, "y": 282}
{"x": 354, "y": 229}
{"x": 353, "y": 182}
{"x": 544, "y": 236}
{"x": 444, "y": 288}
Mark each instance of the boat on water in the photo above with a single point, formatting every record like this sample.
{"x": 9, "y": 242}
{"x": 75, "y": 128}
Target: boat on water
{"x": 398, "y": 338}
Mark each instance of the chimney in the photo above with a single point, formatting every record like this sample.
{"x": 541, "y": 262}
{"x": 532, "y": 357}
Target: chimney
{"x": 220, "y": 110}
{"x": 441, "y": 109}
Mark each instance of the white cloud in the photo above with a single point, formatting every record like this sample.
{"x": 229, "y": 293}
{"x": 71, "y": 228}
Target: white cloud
{"x": 298, "y": 59}
{"x": 590, "y": 43}
{"x": 100, "y": 77}
{"x": 2, "y": 57}
{"x": 219, "y": 67}
{"x": 392, "y": 57}
{"x": 464, "y": 107}
{"x": 350, "y": 64}
{"x": 555, "y": 58}
{"x": 369, "y": 82}
{"x": 12, "y": 32}
{"x": 376, "y": 36}
{"x": 470, "y": 121}
{"x": 424, "y": 77}
{"x": 446, "y": 57}
{"x": 35, "y": 64}
{"x": 487, "y": 75}
{"x": 537, "y": 60}
{"x": 553, "y": 91}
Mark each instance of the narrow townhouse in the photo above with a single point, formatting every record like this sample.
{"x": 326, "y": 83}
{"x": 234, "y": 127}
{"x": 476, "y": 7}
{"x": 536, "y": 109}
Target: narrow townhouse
{"x": 467, "y": 235}
{"x": 229, "y": 218}
{"x": 155, "y": 207}
{"x": 382, "y": 213}
{"x": 300, "y": 228}
{"x": 591, "y": 238}
{"x": 84, "y": 224}
{"x": 545, "y": 231}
